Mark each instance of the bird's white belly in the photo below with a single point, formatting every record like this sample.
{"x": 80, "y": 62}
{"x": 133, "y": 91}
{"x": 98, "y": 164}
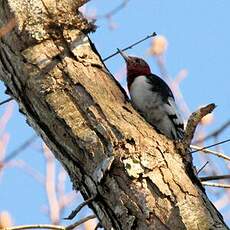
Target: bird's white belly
{"x": 143, "y": 98}
{"x": 149, "y": 104}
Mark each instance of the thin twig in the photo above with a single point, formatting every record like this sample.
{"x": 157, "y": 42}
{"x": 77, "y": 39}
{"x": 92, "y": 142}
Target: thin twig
{"x": 216, "y": 185}
{"x": 77, "y": 210}
{"x": 31, "y": 171}
{"x": 218, "y": 154}
{"x": 131, "y": 46}
{"x": 72, "y": 226}
{"x": 211, "y": 151}
{"x": 50, "y": 185}
{"x": 51, "y": 226}
{"x": 37, "y": 226}
{"x": 98, "y": 226}
{"x": 5, "y": 101}
{"x": 220, "y": 177}
{"x": 113, "y": 11}
{"x": 193, "y": 121}
{"x": 198, "y": 171}
{"x": 175, "y": 85}
{"x": 22, "y": 147}
{"x": 216, "y": 132}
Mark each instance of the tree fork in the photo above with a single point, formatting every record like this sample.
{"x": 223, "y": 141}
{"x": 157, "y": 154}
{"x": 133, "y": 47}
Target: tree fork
{"x": 68, "y": 96}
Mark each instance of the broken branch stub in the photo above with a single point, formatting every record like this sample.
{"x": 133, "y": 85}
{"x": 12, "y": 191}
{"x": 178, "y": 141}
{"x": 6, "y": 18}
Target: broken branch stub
{"x": 193, "y": 122}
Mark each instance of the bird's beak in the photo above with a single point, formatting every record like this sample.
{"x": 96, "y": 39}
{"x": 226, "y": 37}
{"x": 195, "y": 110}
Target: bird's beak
{"x": 124, "y": 55}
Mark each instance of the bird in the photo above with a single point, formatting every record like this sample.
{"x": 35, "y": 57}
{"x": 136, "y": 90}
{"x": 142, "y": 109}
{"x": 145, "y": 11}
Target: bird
{"x": 153, "y": 98}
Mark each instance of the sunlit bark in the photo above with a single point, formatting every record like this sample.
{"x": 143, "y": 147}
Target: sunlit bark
{"x": 68, "y": 96}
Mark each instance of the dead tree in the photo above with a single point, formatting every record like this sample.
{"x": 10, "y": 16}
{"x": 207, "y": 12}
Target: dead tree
{"x": 51, "y": 68}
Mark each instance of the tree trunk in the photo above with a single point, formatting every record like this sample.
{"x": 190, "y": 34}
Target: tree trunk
{"x": 54, "y": 72}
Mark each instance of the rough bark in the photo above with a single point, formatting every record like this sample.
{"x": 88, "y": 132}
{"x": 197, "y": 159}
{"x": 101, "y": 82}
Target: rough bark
{"x": 68, "y": 96}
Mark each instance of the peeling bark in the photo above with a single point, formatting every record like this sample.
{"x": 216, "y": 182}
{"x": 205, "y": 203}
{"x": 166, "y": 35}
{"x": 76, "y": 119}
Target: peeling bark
{"x": 53, "y": 71}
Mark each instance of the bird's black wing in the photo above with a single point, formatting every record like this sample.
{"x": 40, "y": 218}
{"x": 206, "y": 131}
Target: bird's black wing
{"x": 161, "y": 87}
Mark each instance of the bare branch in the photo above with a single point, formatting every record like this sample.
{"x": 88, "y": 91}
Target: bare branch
{"x": 216, "y": 185}
{"x": 198, "y": 171}
{"x": 206, "y": 150}
{"x": 113, "y": 11}
{"x": 131, "y": 46}
{"x": 98, "y": 226}
{"x": 50, "y": 185}
{"x": 5, "y": 101}
{"x": 72, "y": 226}
{"x": 25, "y": 167}
{"x": 220, "y": 177}
{"x": 193, "y": 121}
{"x": 4, "y": 140}
{"x": 75, "y": 212}
{"x": 22, "y": 147}
{"x": 37, "y": 226}
{"x": 216, "y": 132}
{"x": 50, "y": 226}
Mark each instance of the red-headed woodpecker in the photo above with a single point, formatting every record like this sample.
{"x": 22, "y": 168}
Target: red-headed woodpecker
{"x": 152, "y": 98}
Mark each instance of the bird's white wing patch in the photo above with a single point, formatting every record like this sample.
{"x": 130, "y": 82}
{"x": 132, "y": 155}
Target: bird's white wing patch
{"x": 174, "y": 115}
{"x": 173, "y": 109}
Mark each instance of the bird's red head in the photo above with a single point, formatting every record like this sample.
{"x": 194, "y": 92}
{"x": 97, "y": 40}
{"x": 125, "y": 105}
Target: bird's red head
{"x": 135, "y": 67}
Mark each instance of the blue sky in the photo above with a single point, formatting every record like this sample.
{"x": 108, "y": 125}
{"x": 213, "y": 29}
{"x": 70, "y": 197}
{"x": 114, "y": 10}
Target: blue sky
{"x": 198, "y": 35}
